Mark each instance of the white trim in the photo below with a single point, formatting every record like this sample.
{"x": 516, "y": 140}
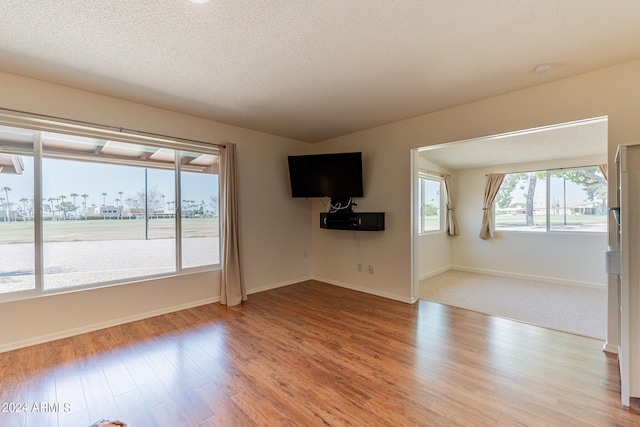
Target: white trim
{"x": 46, "y": 123}
{"x": 39, "y": 124}
{"x": 530, "y": 277}
{"x": 434, "y": 273}
{"x": 102, "y": 325}
{"x": 613, "y": 349}
{"x": 581, "y": 122}
{"x": 366, "y": 290}
{"x": 278, "y": 285}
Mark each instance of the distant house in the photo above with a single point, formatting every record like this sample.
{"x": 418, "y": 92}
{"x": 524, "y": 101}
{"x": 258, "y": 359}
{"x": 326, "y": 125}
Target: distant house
{"x": 111, "y": 211}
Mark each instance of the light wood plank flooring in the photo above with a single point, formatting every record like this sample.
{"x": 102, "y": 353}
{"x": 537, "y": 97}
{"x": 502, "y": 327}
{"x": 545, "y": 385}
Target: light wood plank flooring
{"x": 314, "y": 354}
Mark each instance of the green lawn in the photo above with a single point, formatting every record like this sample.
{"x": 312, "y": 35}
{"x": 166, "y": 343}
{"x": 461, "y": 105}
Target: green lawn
{"x": 514, "y": 222}
{"x": 570, "y": 222}
{"x": 110, "y": 229}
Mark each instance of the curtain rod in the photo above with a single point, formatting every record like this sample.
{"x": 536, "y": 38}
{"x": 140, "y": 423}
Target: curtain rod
{"x": 107, "y": 127}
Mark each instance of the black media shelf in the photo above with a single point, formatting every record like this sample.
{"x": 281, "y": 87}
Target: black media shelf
{"x": 357, "y": 221}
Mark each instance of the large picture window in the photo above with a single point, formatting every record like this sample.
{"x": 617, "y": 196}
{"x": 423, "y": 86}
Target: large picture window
{"x": 85, "y": 211}
{"x": 553, "y": 200}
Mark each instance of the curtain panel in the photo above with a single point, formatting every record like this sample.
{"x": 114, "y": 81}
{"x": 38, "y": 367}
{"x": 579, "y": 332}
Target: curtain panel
{"x": 451, "y": 222}
{"x": 494, "y": 181}
{"x": 232, "y": 287}
{"x": 605, "y": 171}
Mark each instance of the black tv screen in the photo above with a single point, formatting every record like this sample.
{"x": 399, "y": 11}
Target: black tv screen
{"x": 326, "y": 175}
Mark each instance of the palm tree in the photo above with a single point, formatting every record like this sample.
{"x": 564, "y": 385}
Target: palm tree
{"x": 74, "y": 195}
{"x": 64, "y": 212}
{"x": 51, "y": 200}
{"x": 24, "y": 201}
{"x": 8, "y": 204}
{"x": 85, "y": 197}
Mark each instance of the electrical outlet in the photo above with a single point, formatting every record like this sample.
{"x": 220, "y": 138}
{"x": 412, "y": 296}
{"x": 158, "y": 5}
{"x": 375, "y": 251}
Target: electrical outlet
{"x": 360, "y": 267}
{"x": 371, "y": 269}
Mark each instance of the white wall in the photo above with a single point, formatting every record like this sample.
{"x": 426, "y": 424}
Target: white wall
{"x": 275, "y": 231}
{"x": 562, "y": 257}
{"x": 612, "y": 92}
{"x": 336, "y": 253}
{"x": 434, "y": 249}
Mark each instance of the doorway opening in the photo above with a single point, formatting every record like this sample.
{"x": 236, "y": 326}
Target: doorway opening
{"x": 551, "y": 240}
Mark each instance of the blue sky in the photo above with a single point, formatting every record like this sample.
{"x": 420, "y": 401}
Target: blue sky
{"x": 63, "y": 177}
{"x": 575, "y": 193}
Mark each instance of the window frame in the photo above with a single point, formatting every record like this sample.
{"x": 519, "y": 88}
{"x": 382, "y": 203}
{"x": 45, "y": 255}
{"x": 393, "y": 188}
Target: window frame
{"x": 38, "y": 126}
{"x": 426, "y": 176}
{"x": 548, "y": 227}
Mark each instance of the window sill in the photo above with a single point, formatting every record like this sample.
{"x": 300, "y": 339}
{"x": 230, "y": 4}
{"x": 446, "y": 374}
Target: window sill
{"x": 431, "y": 233}
{"x": 33, "y": 294}
{"x": 555, "y": 232}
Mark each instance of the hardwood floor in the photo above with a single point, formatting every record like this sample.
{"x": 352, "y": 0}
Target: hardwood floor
{"x": 314, "y": 354}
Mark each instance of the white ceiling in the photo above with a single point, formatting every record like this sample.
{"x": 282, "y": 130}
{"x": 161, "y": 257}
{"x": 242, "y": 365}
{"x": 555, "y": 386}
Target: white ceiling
{"x": 582, "y": 139}
{"x": 312, "y": 69}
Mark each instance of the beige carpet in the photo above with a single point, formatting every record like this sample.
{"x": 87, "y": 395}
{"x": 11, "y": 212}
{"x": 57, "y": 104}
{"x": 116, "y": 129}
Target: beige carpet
{"x": 574, "y": 309}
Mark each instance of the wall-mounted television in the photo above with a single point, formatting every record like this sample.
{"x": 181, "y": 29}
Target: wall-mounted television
{"x": 337, "y": 175}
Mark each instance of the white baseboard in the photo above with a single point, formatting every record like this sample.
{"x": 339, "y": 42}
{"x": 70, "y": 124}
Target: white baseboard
{"x": 609, "y": 348}
{"x": 365, "y": 290}
{"x": 434, "y": 273}
{"x": 530, "y": 277}
{"x": 102, "y": 325}
{"x": 277, "y": 285}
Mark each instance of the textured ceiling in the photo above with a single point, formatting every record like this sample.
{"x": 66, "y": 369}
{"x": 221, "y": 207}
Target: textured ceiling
{"x": 312, "y": 69}
{"x": 583, "y": 139}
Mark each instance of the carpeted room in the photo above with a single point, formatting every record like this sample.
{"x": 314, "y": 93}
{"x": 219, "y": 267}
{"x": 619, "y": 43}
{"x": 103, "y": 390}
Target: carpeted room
{"x": 551, "y": 273}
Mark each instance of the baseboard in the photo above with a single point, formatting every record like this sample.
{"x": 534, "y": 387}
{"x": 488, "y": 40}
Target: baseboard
{"x": 102, "y": 325}
{"x": 365, "y": 290}
{"x": 278, "y": 285}
{"x": 530, "y": 277}
{"x": 434, "y": 273}
{"x": 609, "y": 348}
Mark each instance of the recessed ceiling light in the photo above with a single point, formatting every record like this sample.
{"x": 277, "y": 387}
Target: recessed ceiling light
{"x": 542, "y": 68}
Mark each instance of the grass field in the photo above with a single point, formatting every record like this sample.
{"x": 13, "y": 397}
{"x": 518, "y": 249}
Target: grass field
{"x": 518, "y": 222}
{"x": 110, "y": 229}
{"x": 557, "y": 222}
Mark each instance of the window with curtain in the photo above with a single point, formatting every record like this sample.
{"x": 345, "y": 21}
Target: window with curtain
{"x": 430, "y": 203}
{"x": 89, "y": 210}
{"x": 573, "y": 199}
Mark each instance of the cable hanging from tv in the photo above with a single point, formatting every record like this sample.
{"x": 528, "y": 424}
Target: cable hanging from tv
{"x": 341, "y": 205}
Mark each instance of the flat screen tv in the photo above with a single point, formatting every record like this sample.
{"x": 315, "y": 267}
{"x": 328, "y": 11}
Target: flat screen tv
{"x": 336, "y": 175}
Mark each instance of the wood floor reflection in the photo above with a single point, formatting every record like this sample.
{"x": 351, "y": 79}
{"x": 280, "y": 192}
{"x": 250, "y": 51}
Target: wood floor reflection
{"x": 314, "y": 354}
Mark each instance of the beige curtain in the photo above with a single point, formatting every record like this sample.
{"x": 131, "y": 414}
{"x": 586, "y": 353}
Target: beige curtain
{"x": 451, "y": 224}
{"x": 604, "y": 169}
{"x": 494, "y": 181}
{"x": 232, "y": 289}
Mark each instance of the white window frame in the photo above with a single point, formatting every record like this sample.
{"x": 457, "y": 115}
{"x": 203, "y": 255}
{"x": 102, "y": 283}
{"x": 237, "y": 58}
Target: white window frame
{"x": 38, "y": 124}
{"x": 422, "y": 175}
